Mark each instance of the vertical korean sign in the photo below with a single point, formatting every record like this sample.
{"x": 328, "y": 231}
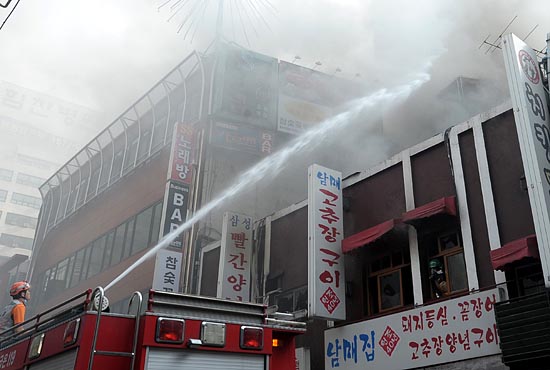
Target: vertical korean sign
{"x": 180, "y": 179}
{"x": 167, "y": 271}
{"x": 236, "y": 252}
{"x": 326, "y": 281}
{"x": 532, "y": 124}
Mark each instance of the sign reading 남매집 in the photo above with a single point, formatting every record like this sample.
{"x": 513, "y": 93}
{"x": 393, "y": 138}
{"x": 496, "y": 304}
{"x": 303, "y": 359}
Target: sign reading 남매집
{"x": 449, "y": 331}
{"x": 326, "y": 280}
{"x": 235, "y": 257}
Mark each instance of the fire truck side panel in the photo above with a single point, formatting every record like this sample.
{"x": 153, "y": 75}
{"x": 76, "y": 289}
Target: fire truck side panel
{"x": 163, "y": 359}
{"x": 14, "y": 357}
{"x": 284, "y": 354}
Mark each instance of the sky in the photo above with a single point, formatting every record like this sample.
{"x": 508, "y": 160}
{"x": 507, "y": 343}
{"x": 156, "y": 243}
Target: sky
{"x": 106, "y": 55}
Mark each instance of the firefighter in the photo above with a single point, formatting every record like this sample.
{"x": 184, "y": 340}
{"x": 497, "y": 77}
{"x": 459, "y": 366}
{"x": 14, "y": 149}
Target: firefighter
{"x": 438, "y": 281}
{"x": 14, "y": 313}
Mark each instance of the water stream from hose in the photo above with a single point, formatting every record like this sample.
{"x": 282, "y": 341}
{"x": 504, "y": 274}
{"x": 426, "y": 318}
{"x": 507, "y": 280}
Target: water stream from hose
{"x": 274, "y": 164}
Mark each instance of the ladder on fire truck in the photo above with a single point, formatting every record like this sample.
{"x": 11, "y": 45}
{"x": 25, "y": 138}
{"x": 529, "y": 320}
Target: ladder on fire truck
{"x": 88, "y": 301}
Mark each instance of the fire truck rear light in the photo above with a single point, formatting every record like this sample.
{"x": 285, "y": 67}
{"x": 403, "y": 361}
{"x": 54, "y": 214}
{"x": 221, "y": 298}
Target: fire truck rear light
{"x": 276, "y": 342}
{"x": 213, "y": 334}
{"x": 36, "y": 346}
{"x": 170, "y": 330}
{"x": 252, "y": 337}
{"x": 71, "y": 332}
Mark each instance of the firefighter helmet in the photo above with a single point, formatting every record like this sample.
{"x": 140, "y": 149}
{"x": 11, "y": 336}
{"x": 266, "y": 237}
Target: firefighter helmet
{"x": 435, "y": 263}
{"x": 19, "y": 287}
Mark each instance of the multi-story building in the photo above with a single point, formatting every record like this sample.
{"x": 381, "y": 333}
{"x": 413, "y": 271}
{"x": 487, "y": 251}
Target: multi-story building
{"x": 37, "y": 132}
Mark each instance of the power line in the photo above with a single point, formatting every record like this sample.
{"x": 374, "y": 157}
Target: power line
{"x": 12, "y": 9}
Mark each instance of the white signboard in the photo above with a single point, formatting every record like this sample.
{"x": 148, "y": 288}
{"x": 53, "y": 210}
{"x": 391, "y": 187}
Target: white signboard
{"x": 532, "y": 123}
{"x": 326, "y": 280}
{"x": 167, "y": 271}
{"x": 297, "y": 116}
{"x": 453, "y": 330}
{"x": 235, "y": 257}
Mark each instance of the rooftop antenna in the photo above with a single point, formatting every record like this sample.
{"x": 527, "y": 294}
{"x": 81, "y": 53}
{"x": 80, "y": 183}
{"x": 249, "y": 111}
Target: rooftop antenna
{"x": 496, "y": 43}
{"x": 191, "y": 14}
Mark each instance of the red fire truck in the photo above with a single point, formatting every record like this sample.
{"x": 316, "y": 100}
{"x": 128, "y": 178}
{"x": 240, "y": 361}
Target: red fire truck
{"x": 177, "y": 331}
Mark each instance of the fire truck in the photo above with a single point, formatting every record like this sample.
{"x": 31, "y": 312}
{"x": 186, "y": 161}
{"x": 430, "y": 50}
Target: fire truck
{"x": 176, "y": 331}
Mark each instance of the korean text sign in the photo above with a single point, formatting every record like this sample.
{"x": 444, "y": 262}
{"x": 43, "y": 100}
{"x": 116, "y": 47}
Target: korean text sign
{"x": 176, "y": 200}
{"x": 236, "y": 254}
{"x": 326, "y": 280}
{"x": 182, "y": 156}
{"x": 453, "y": 330}
{"x": 167, "y": 271}
{"x": 532, "y": 123}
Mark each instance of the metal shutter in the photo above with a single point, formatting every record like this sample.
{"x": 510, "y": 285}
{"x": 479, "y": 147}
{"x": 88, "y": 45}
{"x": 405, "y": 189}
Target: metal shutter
{"x": 162, "y": 359}
{"x": 64, "y": 361}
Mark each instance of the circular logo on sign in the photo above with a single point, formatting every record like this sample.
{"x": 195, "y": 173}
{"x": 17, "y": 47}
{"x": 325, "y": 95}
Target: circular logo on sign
{"x": 529, "y": 66}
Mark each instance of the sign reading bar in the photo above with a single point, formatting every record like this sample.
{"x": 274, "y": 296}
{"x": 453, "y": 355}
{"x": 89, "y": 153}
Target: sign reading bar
{"x": 235, "y": 257}
{"x": 450, "y": 331}
{"x": 326, "y": 280}
{"x": 532, "y": 124}
{"x": 167, "y": 271}
{"x": 175, "y": 210}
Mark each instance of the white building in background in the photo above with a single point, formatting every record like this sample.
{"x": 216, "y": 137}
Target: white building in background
{"x": 38, "y": 133}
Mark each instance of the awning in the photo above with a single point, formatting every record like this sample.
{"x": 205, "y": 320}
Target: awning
{"x": 515, "y": 251}
{"x": 368, "y": 236}
{"x": 445, "y": 205}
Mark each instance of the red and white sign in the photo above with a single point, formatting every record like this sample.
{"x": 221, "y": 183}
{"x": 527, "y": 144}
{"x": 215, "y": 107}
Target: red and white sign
{"x": 235, "y": 257}
{"x": 453, "y": 330}
{"x": 326, "y": 281}
{"x": 182, "y": 155}
{"x": 532, "y": 124}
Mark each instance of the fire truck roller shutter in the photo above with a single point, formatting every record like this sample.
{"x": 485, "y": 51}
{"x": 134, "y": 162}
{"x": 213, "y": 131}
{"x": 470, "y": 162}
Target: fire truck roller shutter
{"x": 63, "y": 361}
{"x": 162, "y": 359}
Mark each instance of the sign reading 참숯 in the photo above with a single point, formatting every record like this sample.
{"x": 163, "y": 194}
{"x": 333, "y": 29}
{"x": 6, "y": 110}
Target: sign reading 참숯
{"x": 167, "y": 271}
{"x": 326, "y": 280}
{"x": 449, "y": 331}
{"x": 235, "y": 257}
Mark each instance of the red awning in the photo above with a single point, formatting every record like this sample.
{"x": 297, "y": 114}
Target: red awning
{"x": 368, "y": 236}
{"x": 514, "y": 251}
{"x": 445, "y": 205}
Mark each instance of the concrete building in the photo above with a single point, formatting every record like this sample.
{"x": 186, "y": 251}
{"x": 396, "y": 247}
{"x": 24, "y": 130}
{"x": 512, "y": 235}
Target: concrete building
{"x": 37, "y": 132}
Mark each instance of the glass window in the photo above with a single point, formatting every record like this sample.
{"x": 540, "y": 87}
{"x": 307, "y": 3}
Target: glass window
{"x": 3, "y": 195}
{"x": 142, "y": 230}
{"x": 25, "y": 179}
{"x": 26, "y": 200}
{"x": 62, "y": 269}
{"x": 70, "y": 268}
{"x": 446, "y": 266}
{"x": 15, "y": 241}
{"x": 389, "y": 278}
{"x": 96, "y": 257}
{"x": 21, "y": 220}
{"x": 86, "y": 262}
{"x": 108, "y": 250}
{"x": 157, "y": 215}
{"x": 118, "y": 244}
{"x": 129, "y": 238}
{"x": 5, "y": 174}
{"x": 77, "y": 268}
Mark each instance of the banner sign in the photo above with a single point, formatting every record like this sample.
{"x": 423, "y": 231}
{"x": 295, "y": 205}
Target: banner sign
{"x": 241, "y": 138}
{"x": 326, "y": 280}
{"x": 245, "y": 89}
{"x": 449, "y": 331}
{"x": 532, "y": 123}
{"x": 236, "y": 253}
{"x": 167, "y": 271}
{"x": 175, "y": 210}
{"x": 182, "y": 154}
{"x": 306, "y": 97}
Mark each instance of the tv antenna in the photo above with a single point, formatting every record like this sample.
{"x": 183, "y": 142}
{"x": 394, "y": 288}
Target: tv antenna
{"x": 493, "y": 45}
{"x": 245, "y": 16}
